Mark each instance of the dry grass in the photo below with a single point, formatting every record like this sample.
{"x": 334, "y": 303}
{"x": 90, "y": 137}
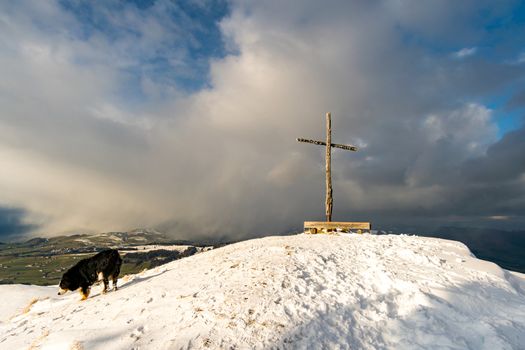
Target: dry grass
{"x": 126, "y": 278}
{"x": 76, "y": 346}
{"x": 30, "y": 305}
{"x": 35, "y": 344}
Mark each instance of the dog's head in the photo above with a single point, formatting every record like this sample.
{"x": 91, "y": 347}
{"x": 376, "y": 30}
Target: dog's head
{"x": 67, "y": 283}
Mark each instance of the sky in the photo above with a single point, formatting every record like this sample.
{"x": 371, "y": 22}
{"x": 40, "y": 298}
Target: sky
{"x": 183, "y": 115}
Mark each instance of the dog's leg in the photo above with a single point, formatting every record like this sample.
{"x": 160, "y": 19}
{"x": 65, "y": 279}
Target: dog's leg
{"x": 115, "y": 278}
{"x": 84, "y": 291}
{"x": 106, "y": 285}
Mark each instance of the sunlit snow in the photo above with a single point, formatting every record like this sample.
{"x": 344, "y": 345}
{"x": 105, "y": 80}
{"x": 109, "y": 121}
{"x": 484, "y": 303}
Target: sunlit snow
{"x": 300, "y": 292}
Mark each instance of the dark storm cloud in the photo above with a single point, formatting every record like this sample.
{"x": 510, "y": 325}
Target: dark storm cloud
{"x": 87, "y": 152}
{"x": 12, "y": 222}
{"x": 503, "y": 162}
{"x": 517, "y": 101}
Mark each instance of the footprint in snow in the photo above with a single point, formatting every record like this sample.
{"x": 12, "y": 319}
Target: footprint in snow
{"x": 137, "y": 332}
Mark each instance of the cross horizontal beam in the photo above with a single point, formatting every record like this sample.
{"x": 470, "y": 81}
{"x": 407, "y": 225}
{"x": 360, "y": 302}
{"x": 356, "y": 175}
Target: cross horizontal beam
{"x": 322, "y": 143}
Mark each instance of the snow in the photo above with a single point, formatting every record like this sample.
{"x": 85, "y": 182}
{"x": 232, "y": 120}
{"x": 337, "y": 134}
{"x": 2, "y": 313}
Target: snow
{"x": 152, "y": 247}
{"x": 298, "y": 292}
{"x": 15, "y": 298}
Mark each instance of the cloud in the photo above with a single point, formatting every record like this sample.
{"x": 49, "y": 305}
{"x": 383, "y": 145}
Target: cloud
{"x": 503, "y": 162}
{"x": 465, "y": 52}
{"x": 12, "y": 222}
{"x": 521, "y": 58}
{"x": 517, "y": 101}
{"x": 94, "y": 138}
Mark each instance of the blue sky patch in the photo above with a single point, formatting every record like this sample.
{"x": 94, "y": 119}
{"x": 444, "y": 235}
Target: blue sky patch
{"x": 169, "y": 42}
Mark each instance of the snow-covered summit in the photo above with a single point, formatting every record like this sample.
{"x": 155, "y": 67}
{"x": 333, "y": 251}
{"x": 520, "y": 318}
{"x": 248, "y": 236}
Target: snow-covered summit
{"x": 304, "y": 291}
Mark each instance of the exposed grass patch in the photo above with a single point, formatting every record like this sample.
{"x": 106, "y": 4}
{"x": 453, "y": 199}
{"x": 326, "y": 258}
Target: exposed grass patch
{"x": 30, "y": 305}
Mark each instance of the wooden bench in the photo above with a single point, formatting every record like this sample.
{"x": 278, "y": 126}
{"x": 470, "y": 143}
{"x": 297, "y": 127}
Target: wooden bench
{"x": 331, "y": 226}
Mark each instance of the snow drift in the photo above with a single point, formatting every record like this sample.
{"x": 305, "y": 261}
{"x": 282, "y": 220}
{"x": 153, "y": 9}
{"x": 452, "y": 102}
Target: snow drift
{"x": 303, "y": 291}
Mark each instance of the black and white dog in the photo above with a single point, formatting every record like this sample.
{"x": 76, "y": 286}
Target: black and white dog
{"x": 86, "y": 272}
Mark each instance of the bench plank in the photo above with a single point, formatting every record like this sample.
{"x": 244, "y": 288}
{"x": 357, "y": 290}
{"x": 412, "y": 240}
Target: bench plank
{"x": 332, "y": 225}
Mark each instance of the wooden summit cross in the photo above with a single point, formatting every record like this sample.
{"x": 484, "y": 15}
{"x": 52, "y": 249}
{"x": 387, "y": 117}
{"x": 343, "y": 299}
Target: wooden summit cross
{"x": 315, "y": 226}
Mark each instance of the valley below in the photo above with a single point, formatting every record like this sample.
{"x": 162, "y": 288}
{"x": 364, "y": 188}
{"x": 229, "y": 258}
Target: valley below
{"x": 43, "y": 261}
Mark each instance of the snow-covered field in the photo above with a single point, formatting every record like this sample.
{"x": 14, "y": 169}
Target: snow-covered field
{"x": 152, "y": 247}
{"x": 300, "y": 292}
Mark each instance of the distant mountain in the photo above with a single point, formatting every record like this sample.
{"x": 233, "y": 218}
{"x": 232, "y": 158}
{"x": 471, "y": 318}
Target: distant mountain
{"x": 80, "y": 243}
{"x": 105, "y": 239}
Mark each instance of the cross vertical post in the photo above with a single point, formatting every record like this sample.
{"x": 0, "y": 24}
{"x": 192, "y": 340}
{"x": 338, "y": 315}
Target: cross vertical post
{"x": 329, "y": 225}
{"x": 329, "y": 199}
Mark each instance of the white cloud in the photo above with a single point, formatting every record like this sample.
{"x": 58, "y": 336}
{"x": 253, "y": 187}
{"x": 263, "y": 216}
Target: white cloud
{"x": 465, "y": 52}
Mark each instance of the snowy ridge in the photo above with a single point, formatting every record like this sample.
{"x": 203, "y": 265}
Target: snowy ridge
{"x": 303, "y": 291}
